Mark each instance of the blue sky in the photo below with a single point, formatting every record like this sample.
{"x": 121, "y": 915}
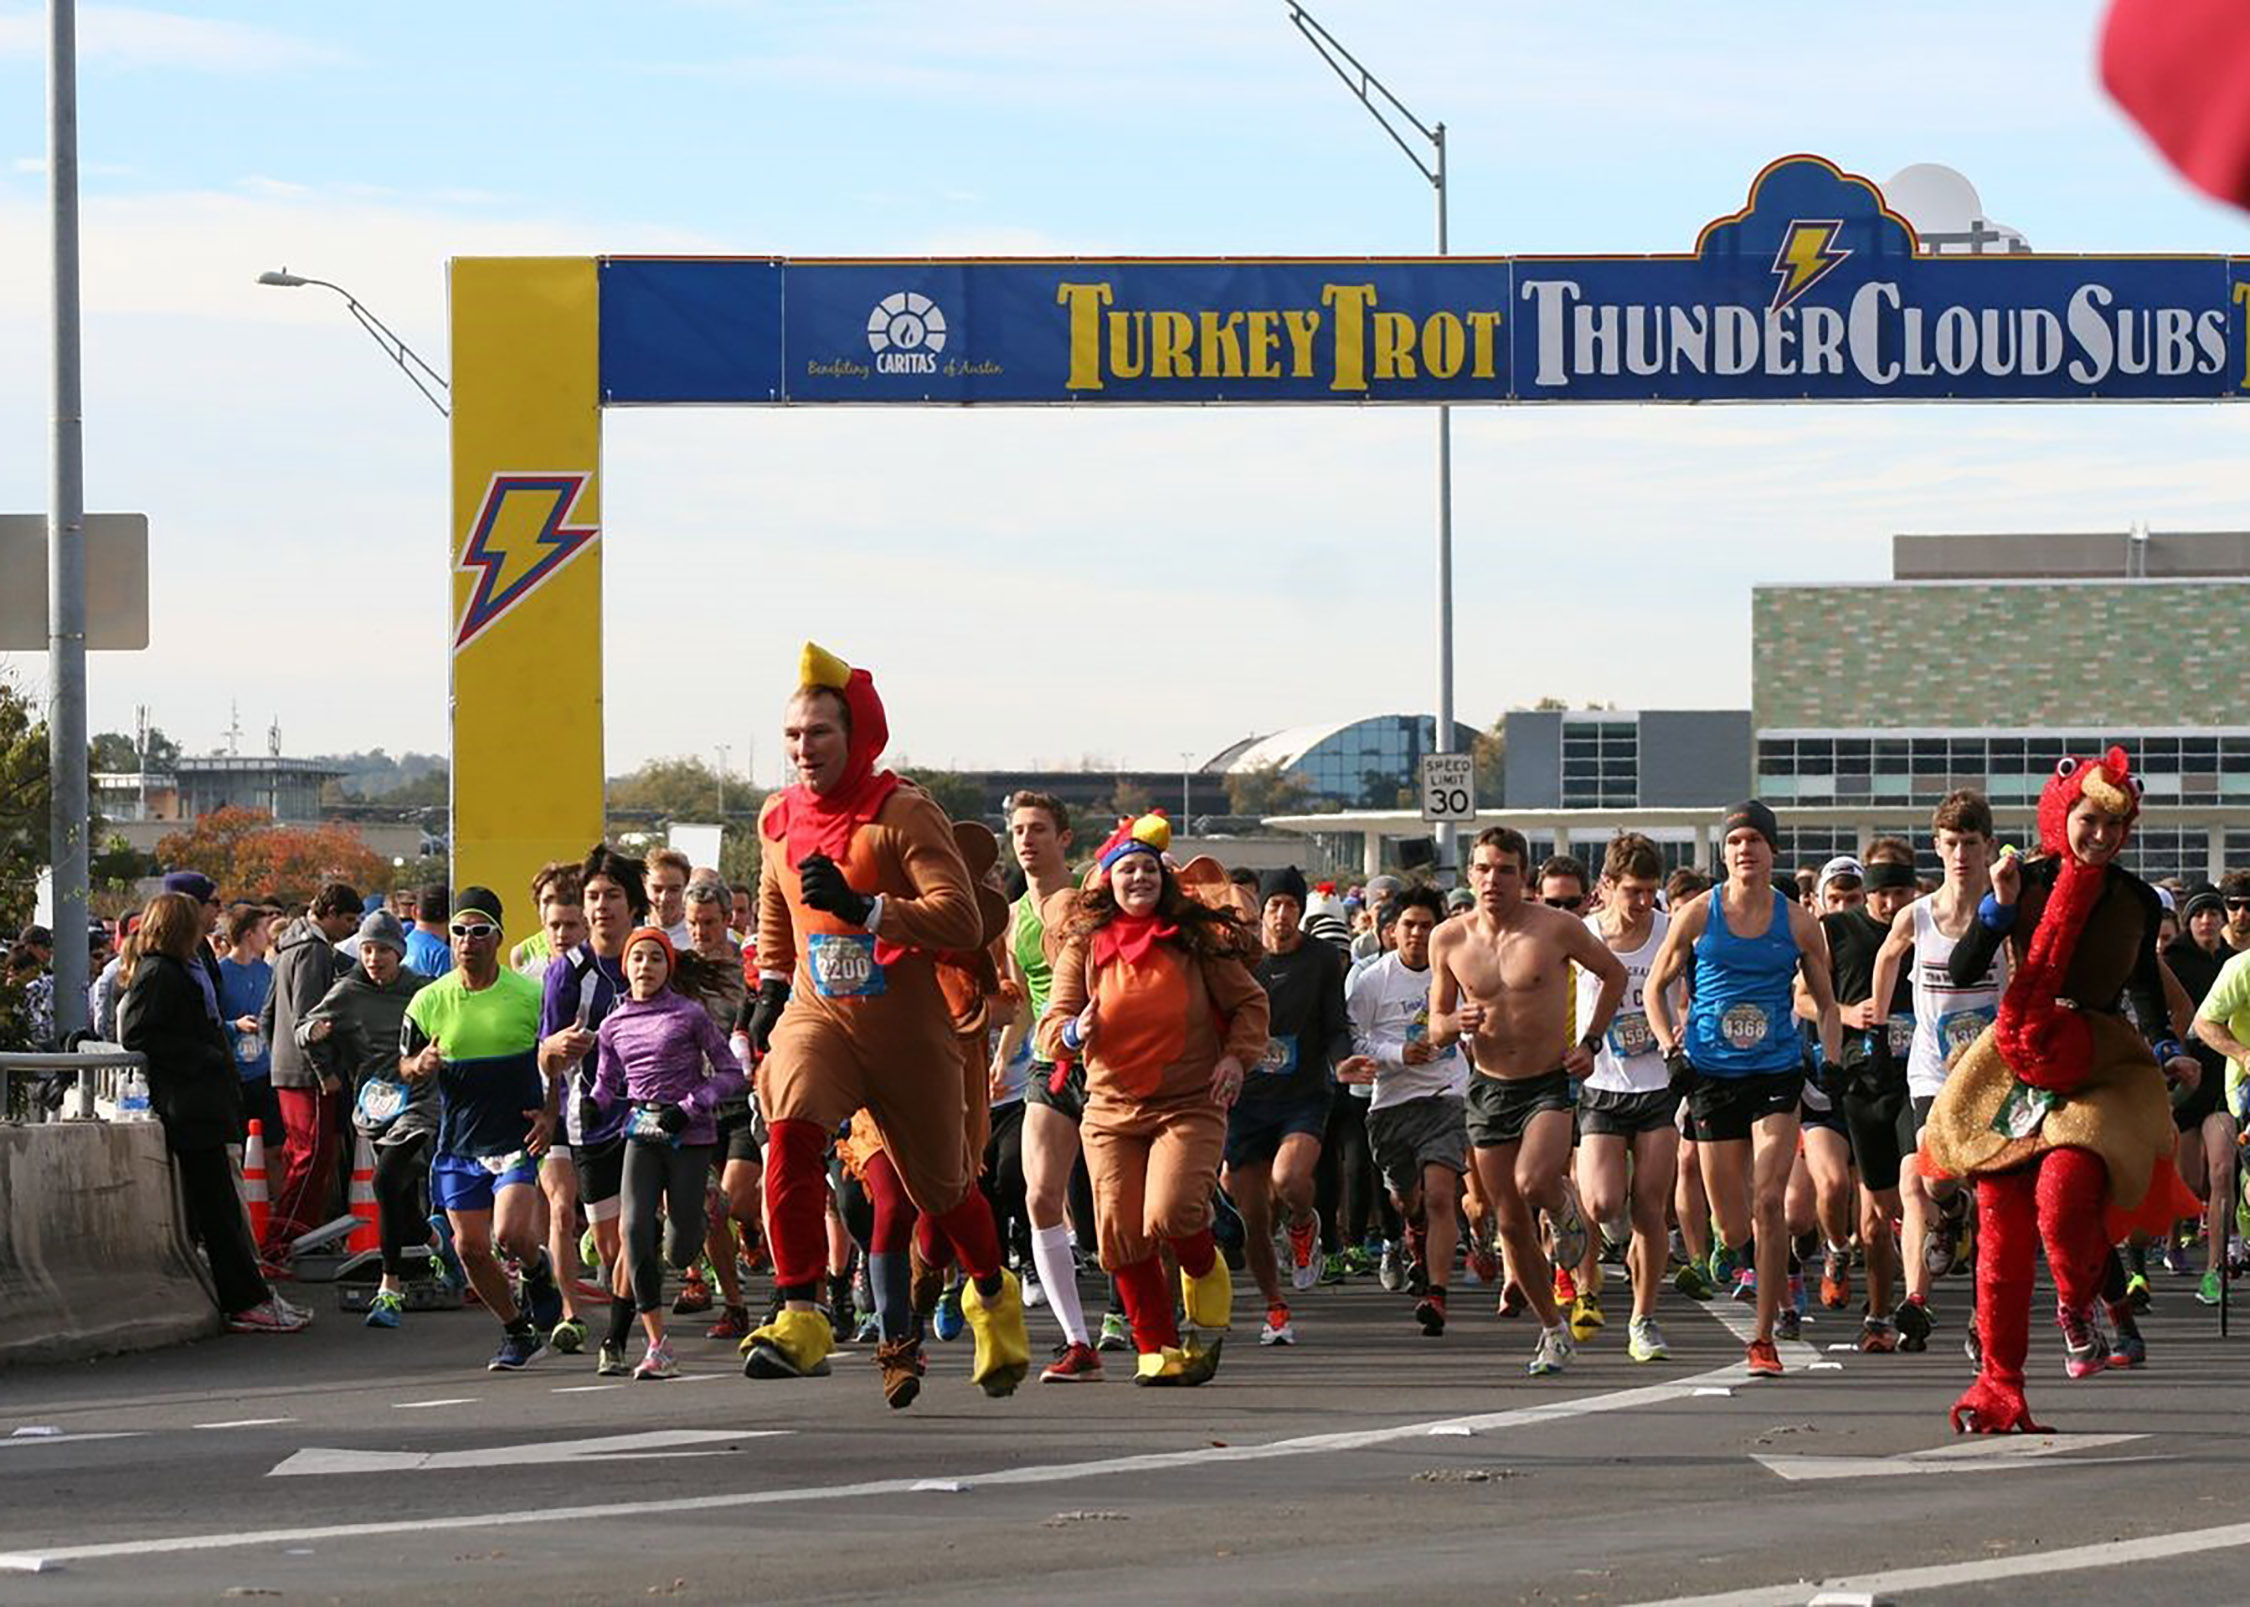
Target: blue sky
{"x": 1251, "y": 569}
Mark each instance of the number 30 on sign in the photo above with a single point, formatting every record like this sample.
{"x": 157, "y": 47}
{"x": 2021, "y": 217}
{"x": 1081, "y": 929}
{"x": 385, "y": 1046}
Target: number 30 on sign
{"x": 1449, "y": 788}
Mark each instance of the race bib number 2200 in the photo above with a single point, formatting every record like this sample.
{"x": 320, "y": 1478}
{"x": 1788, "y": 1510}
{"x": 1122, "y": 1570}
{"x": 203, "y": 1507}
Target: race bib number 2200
{"x": 844, "y": 966}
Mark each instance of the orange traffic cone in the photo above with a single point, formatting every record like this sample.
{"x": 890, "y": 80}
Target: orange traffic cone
{"x": 367, "y": 1232}
{"x": 254, "y": 1182}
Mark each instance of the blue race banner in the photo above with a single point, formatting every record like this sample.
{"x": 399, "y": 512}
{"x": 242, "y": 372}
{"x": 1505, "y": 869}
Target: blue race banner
{"x": 1814, "y": 291}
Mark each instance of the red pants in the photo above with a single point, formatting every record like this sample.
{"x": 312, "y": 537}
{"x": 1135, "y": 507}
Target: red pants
{"x": 308, "y": 1170}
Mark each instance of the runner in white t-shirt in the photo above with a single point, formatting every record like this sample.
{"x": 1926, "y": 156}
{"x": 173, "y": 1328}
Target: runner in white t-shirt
{"x": 1627, "y": 1108}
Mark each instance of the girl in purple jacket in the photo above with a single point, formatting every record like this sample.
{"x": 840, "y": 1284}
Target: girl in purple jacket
{"x": 660, "y": 1053}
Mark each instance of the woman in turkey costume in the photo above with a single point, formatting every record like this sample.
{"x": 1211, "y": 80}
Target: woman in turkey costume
{"x": 2059, "y": 1110}
{"x": 1154, "y": 992}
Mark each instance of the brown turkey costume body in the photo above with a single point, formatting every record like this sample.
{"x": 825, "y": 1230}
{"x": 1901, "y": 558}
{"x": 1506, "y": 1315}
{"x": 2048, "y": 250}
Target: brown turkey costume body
{"x": 862, "y": 888}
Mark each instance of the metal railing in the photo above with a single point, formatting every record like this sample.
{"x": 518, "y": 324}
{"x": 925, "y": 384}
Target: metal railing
{"x": 37, "y": 1088}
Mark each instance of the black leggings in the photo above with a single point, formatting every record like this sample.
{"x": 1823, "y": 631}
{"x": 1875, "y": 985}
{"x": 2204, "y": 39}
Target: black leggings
{"x": 215, "y": 1221}
{"x": 660, "y": 1175}
{"x": 401, "y": 1170}
{"x": 1344, "y": 1184}
{"x": 1003, "y": 1180}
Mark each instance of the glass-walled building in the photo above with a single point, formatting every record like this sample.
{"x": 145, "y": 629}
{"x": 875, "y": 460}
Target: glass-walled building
{"x": 1366, "y": 764}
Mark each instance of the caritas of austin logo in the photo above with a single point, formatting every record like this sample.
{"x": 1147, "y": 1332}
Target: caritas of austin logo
{"x": 906, "y": 331}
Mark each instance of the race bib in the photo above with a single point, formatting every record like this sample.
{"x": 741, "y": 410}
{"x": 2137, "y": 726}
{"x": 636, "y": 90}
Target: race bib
{"x": 2023, "y": 1110}
{"x": 249, "y": 1046}
{"x": 1899, "y": 1029}
{"x": 1629, "y": 1035}
{"x": 1280, "y": 1058}
{"x": 379, "y": 1101}
{"x": 501, "y": 1165}
{"x": 1961, "y": 1028}
{"x": 644, "y": 1124}
{"x": 844, "y": 966}
{"x": 1744, "y": 1025}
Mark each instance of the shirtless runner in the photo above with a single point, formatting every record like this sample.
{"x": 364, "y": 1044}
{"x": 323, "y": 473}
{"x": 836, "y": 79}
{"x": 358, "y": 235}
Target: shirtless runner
{"x": 1501, "y": 979}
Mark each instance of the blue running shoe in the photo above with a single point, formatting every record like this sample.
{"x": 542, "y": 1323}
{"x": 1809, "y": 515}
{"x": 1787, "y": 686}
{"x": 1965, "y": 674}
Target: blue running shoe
{"x": 384, "y": 1310}
{"x": 445, "y": 1264}
{"x": 517, "y": 1351}
{"x": 949, "y": 1322}
{"x": 542, "y": 1300}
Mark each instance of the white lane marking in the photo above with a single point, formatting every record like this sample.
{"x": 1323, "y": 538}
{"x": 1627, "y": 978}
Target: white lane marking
{"x": 423, "y": 1406}
{"x": 1989, "y": 1570}
{"x": 1797, "y": 1355}
{"x": 71, "y": 1439}
{"x": 249, "y": 1422}
{"x": 584, "y": 1389}
{"x": 314, "y": 1459}
{"x": 1108, "y": 1467}
{"x": 1982, "y": 1454}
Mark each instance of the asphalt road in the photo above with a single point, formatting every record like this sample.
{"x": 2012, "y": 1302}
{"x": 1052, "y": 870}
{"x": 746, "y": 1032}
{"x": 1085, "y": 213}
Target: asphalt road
{"x": 347, "y": 1464}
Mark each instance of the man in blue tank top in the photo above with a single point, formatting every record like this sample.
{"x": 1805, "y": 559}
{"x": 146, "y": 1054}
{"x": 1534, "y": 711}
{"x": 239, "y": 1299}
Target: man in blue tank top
{"x": 1738, "y": 1056}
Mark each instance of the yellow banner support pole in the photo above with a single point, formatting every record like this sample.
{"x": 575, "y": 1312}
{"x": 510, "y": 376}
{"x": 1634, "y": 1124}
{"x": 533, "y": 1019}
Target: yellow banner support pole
{"x": 526, "y": 568}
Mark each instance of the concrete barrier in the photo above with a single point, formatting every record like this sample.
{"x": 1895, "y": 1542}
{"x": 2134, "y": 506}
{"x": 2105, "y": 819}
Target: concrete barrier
{"x": 93, "y": 1254}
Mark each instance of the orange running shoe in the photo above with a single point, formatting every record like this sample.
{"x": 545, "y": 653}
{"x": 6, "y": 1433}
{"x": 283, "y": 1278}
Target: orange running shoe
{"x": 1763, "y": 1359}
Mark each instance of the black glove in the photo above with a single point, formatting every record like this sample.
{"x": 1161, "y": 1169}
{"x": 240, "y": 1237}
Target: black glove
{"x": 773, "y": 993}
{"x": 673, "y": 1119}
{"x": 826, "y": 890}
{"x": 1684, "y": 1075}
{"x": 589, "y": 1113}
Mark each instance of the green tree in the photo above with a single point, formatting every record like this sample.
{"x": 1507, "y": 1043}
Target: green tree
{"x": 23, "y": 805}
{"x": 1131, "y": 798}
{"x": 113, "y": 753}
{"x": 1268, "y": 789}
{"x": 682, "y": 788}
{"x": 956, "y": 794}
{"x": 1491, "y": 754}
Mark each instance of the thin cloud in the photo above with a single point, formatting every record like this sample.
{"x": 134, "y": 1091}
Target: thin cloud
{"x": 133, "y": 37}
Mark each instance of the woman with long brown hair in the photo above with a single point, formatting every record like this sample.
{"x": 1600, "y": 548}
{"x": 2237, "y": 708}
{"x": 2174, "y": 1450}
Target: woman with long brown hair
{"x": 1154, "y": 992}
{"x": 170, "y": 1014}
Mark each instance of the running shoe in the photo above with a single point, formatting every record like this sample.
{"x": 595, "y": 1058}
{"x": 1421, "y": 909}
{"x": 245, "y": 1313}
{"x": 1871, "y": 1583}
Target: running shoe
{"x": 2084, "y": 1354}
{"x": 1278, "y": 1329}
{"x": 1566, "y": 1286}
{"x": 568, "y": 1337}
{"x": 1612, "y": 1250}
{"x": 1417, "y": 1276}
{"x": 1553, "y": 1355}
{"x": 386, "y": 1309}
{"x": 2175, "y": 1262}
{"x": 694, "y": 1296}
{"x": 1973, "y": 1347}
{"x": 445, "y": 1261}
{"x": 1585, "y": 1317}
{"x": 1333, "y": 1269}
{"x": 1913, "y": 1322}
{"x": 901, "y": 1362}
{"x": 1304, "y": 1252}
{"x": 1644, "y": 1341}
{"x": 2138, "y": 1292}
{"x": 1569, "y": 1228}
{"x": 519, "y": 1347}
{"x": 1359, "y": 1260}
{"x": 1745, "y": 1290}
{"x": 1762, "y": 1359}
{"x": 1512, "y": 1299}
{"x": 734, "y": 1323}
{"x": 1116, "y": 1334}
{"x": 1836, "y": 1279}
{"x": 1693, "y": 1281}
{"x": 2126, "y": 1346}
{"x": 1484, "y": 1263}
{"x": 1798, "y": 1300}
{"x": 2206, "y": 1292}
{"x": 1725, "y": 1262}
{"x": 794, "y": 1345}
{"x": 948, "y": 1322}
{"x": 542, "y": 1301}
{"x": 658, "y": 1363}
{"x": 1074, "y": 1364}
{"x": 1033, "y": 1296}
{"x": 269, "y": 1316}
{"x": 1878, "y": 1336}
{"x": 1227, "y": 1230}
{"x": 1430, "y": 1313}
{"x": 1388, "y": 1271}
{"x": 868, "y": 1330}
{"x": 1788, "y": 1323}
{"x": 589, "y": 1250}
{"x": 609, "y": 1361}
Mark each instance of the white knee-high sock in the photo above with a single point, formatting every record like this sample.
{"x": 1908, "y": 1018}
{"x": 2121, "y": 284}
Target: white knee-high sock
{"x": 1058, "y": 1276}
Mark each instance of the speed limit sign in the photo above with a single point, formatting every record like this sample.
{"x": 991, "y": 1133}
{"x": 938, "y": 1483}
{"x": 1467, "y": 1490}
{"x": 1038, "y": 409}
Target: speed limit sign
{"x": 1449, "y": 788}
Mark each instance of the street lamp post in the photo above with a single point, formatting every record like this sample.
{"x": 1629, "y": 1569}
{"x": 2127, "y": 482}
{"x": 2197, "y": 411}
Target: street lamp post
{"x": 69, "y": 853}
{"x": 407, "y": 358}
{"x": 723, "y": 749}
{"x": 1389, "y": 111}
{"x": 1187, "y": 768}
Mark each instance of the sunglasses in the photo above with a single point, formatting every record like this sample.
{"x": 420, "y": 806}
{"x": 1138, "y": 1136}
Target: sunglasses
{"x": 1570, "y": 902}
{"x": 474, "y": 929}
{"x": 2238, "y": 903}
